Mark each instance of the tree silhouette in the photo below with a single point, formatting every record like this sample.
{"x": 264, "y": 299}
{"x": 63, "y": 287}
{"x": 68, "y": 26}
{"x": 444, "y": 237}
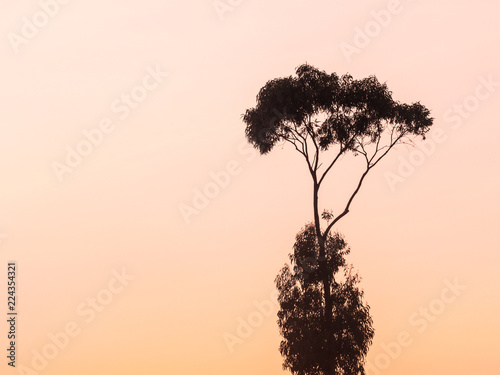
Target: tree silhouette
{"x": 301, "y": 317}
{"x": 318, "y": 112}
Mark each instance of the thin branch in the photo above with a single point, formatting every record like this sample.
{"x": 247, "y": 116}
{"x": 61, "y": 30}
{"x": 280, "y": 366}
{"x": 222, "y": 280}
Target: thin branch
{"x": 388, "y": 149}
{"x": 370, "y": 165}
{"x": 341, "y": 151}
{"x": 363, "y": 152}
{"x": 346, "y": 209}
{"x": 303, "y": 151}
{"x": 316, "y": 155}
{"x": 294, "y": 144}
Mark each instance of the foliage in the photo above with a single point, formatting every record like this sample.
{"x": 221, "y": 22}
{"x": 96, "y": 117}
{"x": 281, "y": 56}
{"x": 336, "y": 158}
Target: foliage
{"x": 329, "y": 110}
{"x": 302, "y": 311}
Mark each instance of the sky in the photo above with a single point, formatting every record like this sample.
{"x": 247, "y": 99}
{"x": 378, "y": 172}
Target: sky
{"x": 147, "y": 232}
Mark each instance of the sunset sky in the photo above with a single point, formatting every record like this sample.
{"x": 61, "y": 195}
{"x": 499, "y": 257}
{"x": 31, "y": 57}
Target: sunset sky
{"x": 160, "y": 88}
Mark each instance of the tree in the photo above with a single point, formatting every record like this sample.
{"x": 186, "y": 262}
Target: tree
{"x": 318, "y": 112}
{"x": 301, "y": 317}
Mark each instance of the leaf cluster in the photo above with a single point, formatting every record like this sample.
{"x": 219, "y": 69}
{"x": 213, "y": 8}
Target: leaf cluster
{"x": 329, "y": 109}
{"x": 301, "y": 316}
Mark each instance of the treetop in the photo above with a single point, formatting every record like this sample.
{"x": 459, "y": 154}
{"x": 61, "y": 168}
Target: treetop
{"x": 329, "y": 109}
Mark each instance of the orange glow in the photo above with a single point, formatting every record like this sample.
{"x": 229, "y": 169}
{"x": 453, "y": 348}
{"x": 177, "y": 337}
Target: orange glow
{"x": 118, "y": 206}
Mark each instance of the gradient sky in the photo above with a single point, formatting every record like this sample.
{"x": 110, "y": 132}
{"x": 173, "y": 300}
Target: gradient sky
{"x": 194, "y": 281}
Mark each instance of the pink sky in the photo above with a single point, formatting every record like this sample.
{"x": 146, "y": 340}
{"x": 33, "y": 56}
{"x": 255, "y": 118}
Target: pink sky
{"x": 193, "y": 71}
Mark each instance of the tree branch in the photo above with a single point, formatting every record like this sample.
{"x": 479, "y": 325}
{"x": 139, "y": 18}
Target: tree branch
{"x": 346, "y": 209}
{"x": 341, "y": 151}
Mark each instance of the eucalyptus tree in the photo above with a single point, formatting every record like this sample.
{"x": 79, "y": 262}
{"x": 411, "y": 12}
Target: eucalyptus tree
{"x": 325, "y": 116}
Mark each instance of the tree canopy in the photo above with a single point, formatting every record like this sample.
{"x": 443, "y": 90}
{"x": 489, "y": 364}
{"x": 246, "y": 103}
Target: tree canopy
{"x": 301, "y": 317}
{"x": 353, "y": 112}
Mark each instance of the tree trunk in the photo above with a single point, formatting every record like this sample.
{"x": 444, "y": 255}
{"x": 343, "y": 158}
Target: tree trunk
{"x": 328, "y": 366}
